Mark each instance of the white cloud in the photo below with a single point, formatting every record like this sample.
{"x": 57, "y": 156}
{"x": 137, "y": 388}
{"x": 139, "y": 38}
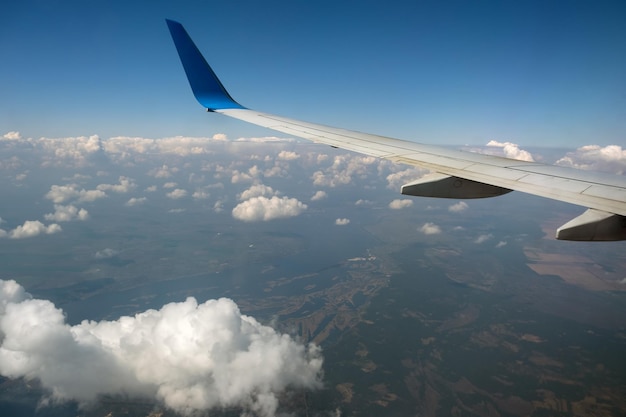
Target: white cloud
{"x": 610, "y": 158}
{"x": 221, "y": 137}
{"x": 342, "y": 222}
{"x": 319, "y": 195}
{"x": 257, "y": 190}
{"x": 218, "y": 207}
{"x": 264, "y": 209}
{"x": 126, "y": 185}
{"x": 501, "y": 244}
{"x": 512, "y": 150}
{"x": 163, "y": 172}
{"x": 362, "y": 202}
{"x": 135, "y": 201}
{"x": 31, "y": 228}
{"x": 430, "y": 229}
{"x": 238, "y": 177}
{"x": 396, "y": 180}
{"x": 399, "y": 204}
{"x": 344, "y": 170}
{"x": 458, "y": 207}
{"x": 483, "y": 238}
{"x": 12, "y": 135}
{"x": 170, "y": 184}
{"x": 200, "y": 195}
{"x": 192, "y": 357}
{"x": 62, "y": 193}
{"x": 177, "y": 194}
{"x": 288, "y": 155}
{"x": 106, "y": 253}
{"x": 67, "y": 213}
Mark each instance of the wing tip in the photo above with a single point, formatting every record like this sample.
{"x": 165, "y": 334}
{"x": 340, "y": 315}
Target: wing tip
{"x": 206, "y": 86}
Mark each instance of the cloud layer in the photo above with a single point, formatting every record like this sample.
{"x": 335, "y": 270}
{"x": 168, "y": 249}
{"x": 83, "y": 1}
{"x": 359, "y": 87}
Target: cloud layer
{"x": 187, "y": 355}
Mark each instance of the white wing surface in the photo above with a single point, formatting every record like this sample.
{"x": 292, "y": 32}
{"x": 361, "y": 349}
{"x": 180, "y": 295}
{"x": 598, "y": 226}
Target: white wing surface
{"x": 457, "y": 174}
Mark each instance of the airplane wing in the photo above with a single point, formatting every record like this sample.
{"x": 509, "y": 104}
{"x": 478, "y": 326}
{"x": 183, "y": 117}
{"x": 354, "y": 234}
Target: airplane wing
{"x": 456, "y": 174}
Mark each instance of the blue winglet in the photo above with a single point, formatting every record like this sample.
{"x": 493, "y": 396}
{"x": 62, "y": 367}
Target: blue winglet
{"x": 205, "y": 85}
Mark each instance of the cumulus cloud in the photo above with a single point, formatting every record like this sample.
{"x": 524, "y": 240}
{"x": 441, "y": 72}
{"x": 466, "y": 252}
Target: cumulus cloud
{"x": 264, "y": 209}
{"x": 200, "y": 195}
{"x": 67, "y": 213}
{"x": 501, "y": 244}
{"x": 430, "y": 229}
{"x": 257, "y": 190}
{"x": 12, "y": 135}
{"x": 192, "y": 357}
{"x": 458, "y": 207}
{"x": 319, "y": 195}
{"x": 30, "y": 228}
{"x": 483, "y": 238}
{"x": 610, "y": 158}
{"x": 218, "y": 207}
{"x": 62, "y": 193}
{"x": 177, "y": 194}
{"x": 344, "y": 169}
{"x": 163, "y": 172}
{"x": 125, "y": 185}
{"x": 238, "y": 176}
{"x": 512, "y": 150}
{"x": 288, "y": 155}
{"x": 395, "y": 180}
{"x": 399, "y": 204}
{"x": 135, "y": 201}
{"x": 342, "y": 222}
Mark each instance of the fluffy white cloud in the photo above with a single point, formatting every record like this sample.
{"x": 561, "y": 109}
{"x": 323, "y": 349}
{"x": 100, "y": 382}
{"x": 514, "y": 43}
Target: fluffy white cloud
{"x": 264, "y": 209}
{"x": 501, "y": 244}
{"x": 610, "y": 158}
{"x": 192, "y": 357}
{"x": 257, "y": 190}
{"x": 135, "y": 201}
{"x": 342, "y": 222}
{"x": 458, "y": 207}
{"x": 395, "y": 180}
{"x": 344, "y": 170}
{"x": 67, "y": 213}
{"x": 163, "y": 172}
{"x": 62, "y": 193}
{"x": 177, "y": 194}
{"x": 483, "y": 238}
{"x": 200, "y": 195}
{"x": 430, "y": 229}
{"x": 512, "y": 150}
{"x": 125, "y": 185}
{"x": 288, "y": 155}
{"x": 31, "y": 228}
{"x": 319, "y": 195}
{"x": 398, "y": 204}
{"x": 170, "y": 184}
{"x": 12, "y": 135}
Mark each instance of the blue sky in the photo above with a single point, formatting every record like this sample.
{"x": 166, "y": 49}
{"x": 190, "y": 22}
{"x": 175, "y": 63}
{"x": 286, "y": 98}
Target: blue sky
{"x": 535, "y": 73}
